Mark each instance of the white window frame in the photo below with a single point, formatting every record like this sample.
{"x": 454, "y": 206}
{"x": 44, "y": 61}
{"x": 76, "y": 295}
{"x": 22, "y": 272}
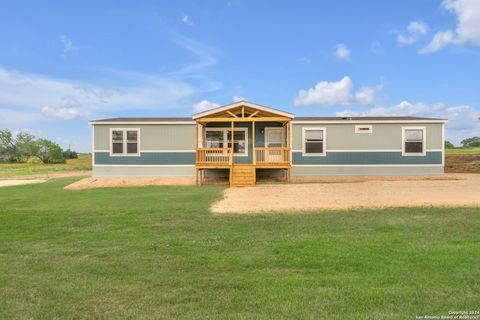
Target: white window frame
{"x": 424, "y": 142}
{"x": 358, "y": 126}
{"x": 225, "y": 138}
{"x": 125, "y": 154}
{"x": 324, "y": 153}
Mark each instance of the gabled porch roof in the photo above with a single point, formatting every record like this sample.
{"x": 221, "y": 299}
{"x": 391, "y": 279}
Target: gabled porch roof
{"x": 241, "y": 108}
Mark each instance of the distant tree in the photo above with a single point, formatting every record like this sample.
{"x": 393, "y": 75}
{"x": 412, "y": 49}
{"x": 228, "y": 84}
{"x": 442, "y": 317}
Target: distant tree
{"x": 49, "y": 151}
{"x": 449, "y": 145}
{"x": 7, "y": 145}
{"x": 26, "y": 146}
{"x": 17, "y": 148}
{"x": 70, "y": 154}
{"x": 471, "y": 142}
{"x": 23, "y": 146}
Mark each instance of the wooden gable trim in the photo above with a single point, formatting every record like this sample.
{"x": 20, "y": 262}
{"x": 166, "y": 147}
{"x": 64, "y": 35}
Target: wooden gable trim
{"x": 243, "y": 106}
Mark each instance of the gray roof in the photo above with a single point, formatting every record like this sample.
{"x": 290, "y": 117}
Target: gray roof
{"x": 144, "y": 119}
{"x": 365, "y": 118}
{"x": 173, "y": 119}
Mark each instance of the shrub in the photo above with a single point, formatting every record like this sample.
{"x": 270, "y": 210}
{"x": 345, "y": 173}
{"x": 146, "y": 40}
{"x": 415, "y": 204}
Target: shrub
{"x": 26, "y": 146}
{"x": 69, "y": 154}
{"x": 49, "y": 151}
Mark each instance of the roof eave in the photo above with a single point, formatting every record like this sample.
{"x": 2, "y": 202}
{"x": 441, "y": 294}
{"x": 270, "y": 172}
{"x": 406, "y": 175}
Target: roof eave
{"x": 371, "y": 121}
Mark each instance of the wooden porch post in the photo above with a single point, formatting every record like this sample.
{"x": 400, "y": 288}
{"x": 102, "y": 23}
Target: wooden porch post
{"x": 196, "y": 154}
{"x": 254, "y": 151}
{"x": 232, "y": 140}
{"x": 289, "y": 135}
{"x": 289, "y": 144}
{"x": 231, "y": 151}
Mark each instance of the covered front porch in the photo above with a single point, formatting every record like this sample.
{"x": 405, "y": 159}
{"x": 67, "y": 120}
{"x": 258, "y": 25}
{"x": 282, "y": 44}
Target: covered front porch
{"x": 242, "y": 138}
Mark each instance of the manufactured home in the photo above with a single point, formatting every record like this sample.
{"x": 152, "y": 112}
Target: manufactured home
{"x": 245, "y": 142}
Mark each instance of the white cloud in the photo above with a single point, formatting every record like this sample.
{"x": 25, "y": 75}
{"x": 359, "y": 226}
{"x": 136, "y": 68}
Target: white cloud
{"x": 70, "y": 99}
{"x": 63, "y": 113}
{"x": 467, "y": 13}
{"x": 187, "y": 20}
{"x": 404, "y": 108}
{"x": 468, "y": 19}
{"x": 440, "y": 40}
{"x": 11, "y": 118}
{"x": 204, "y": 105}
{"x": 366, "y": 95}
{"x": 417, "y": 27}
{"x": 415, "y": 30}
{"x": 32, "y": 91}
{"x": 328, "y": 94}
{"x": 342, "y": 53}
{"x": 68, "y": 45}
{"x": 204, "y": 55}
{"x": 238, "y": 98}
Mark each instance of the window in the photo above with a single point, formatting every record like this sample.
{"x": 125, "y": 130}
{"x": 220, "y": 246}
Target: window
{"x": 413, "y": 141}
{"x": 314, "y": 141}
{"x": 363, "y": 129}
{"x": 117, "y": 141}
{"x": 214, "y": 139}
{"x": 124, "y": 142}
{"x": 132, "y": 141}
{"x": 222, "y": 138}
{"x": 239, "y": 142}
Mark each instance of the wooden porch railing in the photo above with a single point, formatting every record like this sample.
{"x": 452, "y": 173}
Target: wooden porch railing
{"x": 279, "y": 155}
{"x": 214, "y": 156}
{"x": 223, "y": 156}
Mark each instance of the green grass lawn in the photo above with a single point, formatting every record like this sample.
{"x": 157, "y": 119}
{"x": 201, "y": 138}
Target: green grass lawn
{"x": 157, "y": 252}
{"x": 462, "y": 151}
{"x": 84, "y": 162}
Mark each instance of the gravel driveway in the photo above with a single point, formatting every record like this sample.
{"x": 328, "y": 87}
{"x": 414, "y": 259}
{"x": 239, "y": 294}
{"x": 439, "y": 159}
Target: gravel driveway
{"x": 448, "y": 190}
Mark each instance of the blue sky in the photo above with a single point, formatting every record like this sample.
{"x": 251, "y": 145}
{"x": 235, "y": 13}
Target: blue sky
{"x": 63, "y": 63}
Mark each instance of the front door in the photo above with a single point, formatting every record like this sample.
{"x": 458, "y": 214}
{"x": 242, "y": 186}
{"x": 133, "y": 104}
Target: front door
{"x": 273, "y": 139}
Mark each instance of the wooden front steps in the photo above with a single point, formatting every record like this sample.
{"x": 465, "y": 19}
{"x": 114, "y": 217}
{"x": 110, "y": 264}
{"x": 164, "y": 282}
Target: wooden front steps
{"x": 242, "y": 175}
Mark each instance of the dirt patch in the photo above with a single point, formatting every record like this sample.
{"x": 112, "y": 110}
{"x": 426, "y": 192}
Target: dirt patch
{"x": 380, "y": 192}
{"x": 9, "y": 183}
{"x": 339, "y": 179}
{"x": 91, "y": 183}
{"x": 462, "y": 163}
{"x": 51, "y": 175}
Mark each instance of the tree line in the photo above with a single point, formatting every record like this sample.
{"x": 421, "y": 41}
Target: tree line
{"x": 22, "y": 146}
{"x": 466, "y": 143}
